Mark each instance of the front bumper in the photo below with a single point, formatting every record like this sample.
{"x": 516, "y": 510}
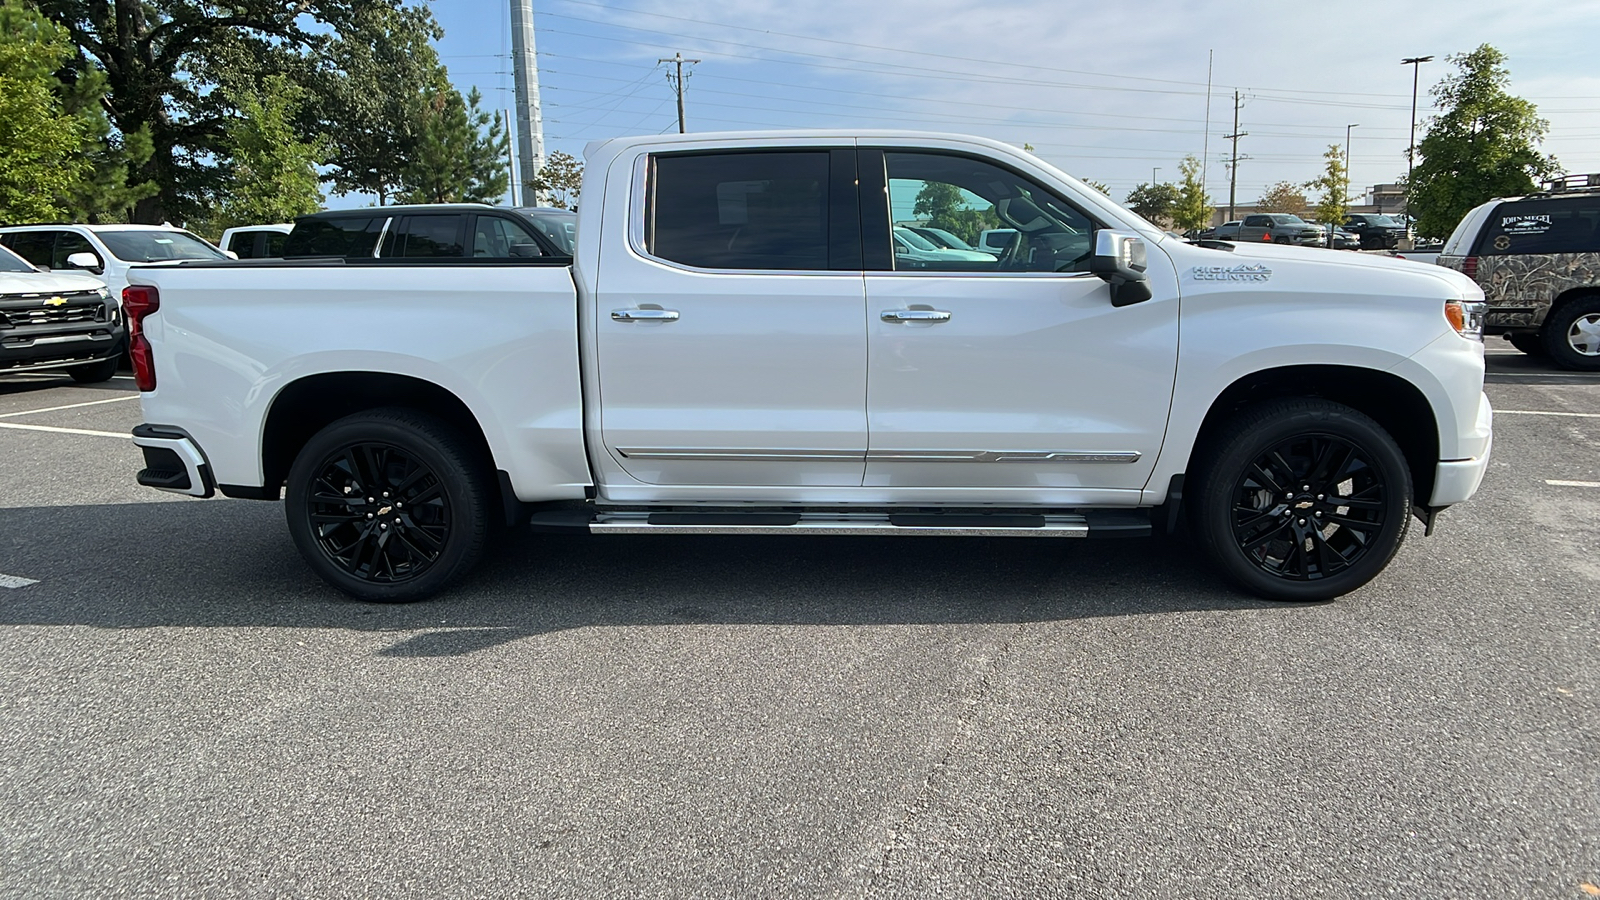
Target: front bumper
{"x": 173, "y": 461}
{"x": 1456, "y": 480}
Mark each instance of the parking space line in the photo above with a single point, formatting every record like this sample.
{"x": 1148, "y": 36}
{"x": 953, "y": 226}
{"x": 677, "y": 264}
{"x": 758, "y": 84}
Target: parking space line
{"x": 12, "y": 582}
{"x": 1544, "y": 412}
{"x": 29, "y": 412}
{"x": 1573, "y": 483}
{"x": 21, "y": 427}
{"x": 1540, "y": 375}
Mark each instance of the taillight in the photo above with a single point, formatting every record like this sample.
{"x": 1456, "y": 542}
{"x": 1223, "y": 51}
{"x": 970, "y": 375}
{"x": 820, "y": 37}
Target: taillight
{"x": 1469, "y": 267}
{"x": 138, "y": 301}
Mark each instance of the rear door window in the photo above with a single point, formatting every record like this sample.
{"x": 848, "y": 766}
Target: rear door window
{"x": 37, "y": 247}
{"x": 1542, "y": 226}
{"x": 757, "y": 210}
{"x": 497, "y": 238}
{"x": 1257, "y": 222}
{"x": 244, "y": 244}
{"x": 68, "y": 243}
{"x": 354, "y": 236}
{"x": 426, "y": 237}
{"x": 273, "y": 243}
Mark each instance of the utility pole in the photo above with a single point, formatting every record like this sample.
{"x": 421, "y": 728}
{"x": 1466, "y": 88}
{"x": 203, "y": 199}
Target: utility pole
{"x": 1233, "y": 167}
{"x": 1205, "y": 143}
{"x": 1415, "y": 62}
{"x": 525, "y": 73}
{"x": 677, "y": 83}
{"x": 511, "y": 165}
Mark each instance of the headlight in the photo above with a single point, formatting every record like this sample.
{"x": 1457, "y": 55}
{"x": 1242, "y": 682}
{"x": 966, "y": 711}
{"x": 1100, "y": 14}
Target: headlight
{"x": 1466, "y": 317}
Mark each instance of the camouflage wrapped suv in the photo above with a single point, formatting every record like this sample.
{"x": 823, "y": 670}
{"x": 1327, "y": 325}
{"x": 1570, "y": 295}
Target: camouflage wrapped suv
{"x": 1537, "y": 259}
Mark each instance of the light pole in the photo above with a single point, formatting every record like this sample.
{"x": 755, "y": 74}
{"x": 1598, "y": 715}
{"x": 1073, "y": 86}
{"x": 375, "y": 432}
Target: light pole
{"x": 1415, "y": 62}
{"x": 1153, "y": 171}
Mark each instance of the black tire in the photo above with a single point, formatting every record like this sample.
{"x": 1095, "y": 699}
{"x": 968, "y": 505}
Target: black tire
{"x": 1572, "y": 334}
{"x": 1276, "y": 470}
{"x": 1529, "y": 342}
{"x": 366, "y": 542}
{"x": 1281, "y": 240}
{"x": 94, "y": 373}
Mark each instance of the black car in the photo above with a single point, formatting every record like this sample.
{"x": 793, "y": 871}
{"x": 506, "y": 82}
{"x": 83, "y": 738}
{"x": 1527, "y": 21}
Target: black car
{"x": 464, "y": 231}
{"x": 1377, "y": 232}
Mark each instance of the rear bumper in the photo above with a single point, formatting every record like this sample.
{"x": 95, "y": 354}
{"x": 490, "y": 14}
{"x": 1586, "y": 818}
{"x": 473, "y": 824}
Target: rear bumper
{"x": 173, "y": 461}
{"x": 1456, "y": 480}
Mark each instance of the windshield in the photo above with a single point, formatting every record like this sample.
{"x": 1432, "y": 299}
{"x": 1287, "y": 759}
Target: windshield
{"x": 561, "y": 228}
{"x": 154, "y": 246}
{"x": 10, "y": 262}
{"x": 913, "y": 239}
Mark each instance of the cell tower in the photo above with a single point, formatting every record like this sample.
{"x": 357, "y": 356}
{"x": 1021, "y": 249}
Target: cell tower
{"x": 525, "y": 72}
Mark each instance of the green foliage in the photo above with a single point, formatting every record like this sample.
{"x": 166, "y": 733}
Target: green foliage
{"x": 1333, "y": 200}
{"x": 1283, "y": 197}
{"x": 1483, "y": 145}
{"x": 41, "y": 142}
{"x": 559, "y": 180}
{"x": 272, "y": 174}
{"x": 1100, "y": 186}
{"x": 455, "y": 161}
{"x": 943, "y": 206}
{"x": 1193, "y": 209}
{"x": 374, "y": 79}
{"x": 1155, "y": 202}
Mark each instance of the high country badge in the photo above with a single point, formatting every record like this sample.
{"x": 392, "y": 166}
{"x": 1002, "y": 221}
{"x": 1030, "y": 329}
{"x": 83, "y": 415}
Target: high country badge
{"x": 1256, "y": 272}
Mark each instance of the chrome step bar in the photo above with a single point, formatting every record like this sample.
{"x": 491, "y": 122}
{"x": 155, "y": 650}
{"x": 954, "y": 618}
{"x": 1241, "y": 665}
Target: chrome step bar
{"x": 933, "y": 525}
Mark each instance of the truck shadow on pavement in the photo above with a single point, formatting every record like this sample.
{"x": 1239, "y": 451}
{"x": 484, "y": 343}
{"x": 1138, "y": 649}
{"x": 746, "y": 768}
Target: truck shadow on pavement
{"x": 232, "y": 564}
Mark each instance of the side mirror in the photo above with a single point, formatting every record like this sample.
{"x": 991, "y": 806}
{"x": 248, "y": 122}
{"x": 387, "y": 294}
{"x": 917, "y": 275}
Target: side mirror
{"x": 1119, "y": 258}
{"x": 87, "y": 261}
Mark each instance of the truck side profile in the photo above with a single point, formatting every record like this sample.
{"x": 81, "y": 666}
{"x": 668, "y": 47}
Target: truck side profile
{"x": 732, "y": 349}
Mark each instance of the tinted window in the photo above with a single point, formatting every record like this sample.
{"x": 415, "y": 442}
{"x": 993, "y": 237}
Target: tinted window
{"x": 426, "y": 237}
{"x": 352, "y": 236}
{"x": 36, "y": 247}
{"x": 152, "y": 246}
{"x": 1257, "y": 221}
{"x": 243, "y": 243}
{"x": 560, "y": 228}
{"x": 1542, "y": 226}
{"x": 68, "y": 243}
{"x": 741, "y": 210}
{"x": 966, "y": 197}
{"x": 497, "y": 238}
{"x": 10, "y": 262}
{"x": 274, "y": 242}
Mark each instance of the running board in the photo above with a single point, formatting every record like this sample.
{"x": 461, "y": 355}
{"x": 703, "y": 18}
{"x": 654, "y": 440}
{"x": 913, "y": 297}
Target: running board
{"x": 841, "y": 523}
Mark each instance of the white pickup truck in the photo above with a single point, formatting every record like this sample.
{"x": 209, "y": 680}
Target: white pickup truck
{"x": 735, "y": 347}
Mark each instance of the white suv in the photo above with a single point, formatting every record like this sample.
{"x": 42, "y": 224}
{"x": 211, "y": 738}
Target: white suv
{"x": 105, "y": 250}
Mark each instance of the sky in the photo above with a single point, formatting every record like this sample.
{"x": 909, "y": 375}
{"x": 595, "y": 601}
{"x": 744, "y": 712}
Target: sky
{"x": 1114, "y": 92}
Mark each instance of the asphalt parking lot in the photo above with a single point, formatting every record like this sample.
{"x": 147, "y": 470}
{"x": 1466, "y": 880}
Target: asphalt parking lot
{"x": 188, "y": 712}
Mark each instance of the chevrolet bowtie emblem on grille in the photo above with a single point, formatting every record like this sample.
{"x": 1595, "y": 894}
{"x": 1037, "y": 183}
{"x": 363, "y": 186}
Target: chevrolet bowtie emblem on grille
{"x": 56, "y": 301}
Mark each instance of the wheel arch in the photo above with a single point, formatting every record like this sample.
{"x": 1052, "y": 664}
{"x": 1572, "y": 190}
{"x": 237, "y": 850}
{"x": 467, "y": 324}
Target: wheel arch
{"x": 1397, "y": 405}
{"x": 1570, "y": 295}
{"x": 307, "y": 405}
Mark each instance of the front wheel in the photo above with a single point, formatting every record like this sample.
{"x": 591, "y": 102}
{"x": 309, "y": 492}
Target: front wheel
{"x": 389, "y": 506}
{"x": 1282, "y": 240}
{"x": 1301, "y": 500}
{"x": 94, "y": 373}
{"x": 1572, "y": 334}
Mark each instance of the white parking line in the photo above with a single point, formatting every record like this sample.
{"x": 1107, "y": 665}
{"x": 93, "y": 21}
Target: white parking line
{"x": 29, "y": 412}
{"x": 21, "y": 427}
{"x": 15, "y": 581}
{"x": 1573, "y": 483}
{"x": 1544, "y": 412}
{"x": 1539, "y": 375}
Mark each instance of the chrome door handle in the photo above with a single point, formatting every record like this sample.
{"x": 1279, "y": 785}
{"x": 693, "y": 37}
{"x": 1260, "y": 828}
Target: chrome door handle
{"x": 915, "y": 315}
{"x": 645, "y": 315}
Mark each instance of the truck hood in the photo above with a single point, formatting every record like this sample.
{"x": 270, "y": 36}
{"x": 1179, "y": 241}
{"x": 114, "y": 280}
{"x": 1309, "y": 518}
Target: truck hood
{"x": 1281, "y": 258}
{"x": 46, "y": 282}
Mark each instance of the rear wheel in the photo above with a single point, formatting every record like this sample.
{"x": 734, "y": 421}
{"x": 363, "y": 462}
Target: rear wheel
{"x": 389, "y": 506}
{"x": 1528, "y": 342}
{"x": 1302, "y": 500}
{"x": 1572, "y": 334}
{"x": 1281, "y": 240}
{"x": 94, "y": 373}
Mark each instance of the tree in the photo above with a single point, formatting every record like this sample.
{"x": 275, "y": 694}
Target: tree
{"x": 456, "y": 162}
{"x": 943, "y": 206}
{"x": 374, "y": 78}
{"x": 1193, "y": 209}
{"x": 1333, "y": 200}
{"x": 1483, "y": 145}
{"x": 41, "y": 143}
{"x": 1283, "y": 197}
{"x": 163, "y": 62}
{"x": 1100, "y": 186}
{"x": 272, "y": 174}
{"x": 559, "y": 180}
{"x": 1154, "y": 201}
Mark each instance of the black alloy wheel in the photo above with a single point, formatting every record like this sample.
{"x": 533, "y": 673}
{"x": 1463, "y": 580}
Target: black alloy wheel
{"x": 388, "y": 506}
{"x": 1303, "y": 500}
